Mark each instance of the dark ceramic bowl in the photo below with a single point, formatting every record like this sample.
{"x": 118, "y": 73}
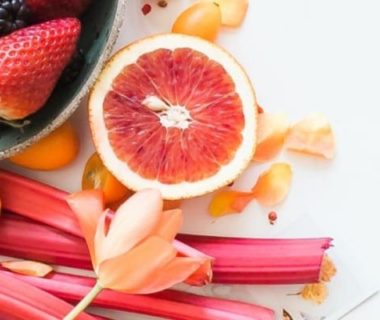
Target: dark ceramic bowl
{"x": 100, "y": 28}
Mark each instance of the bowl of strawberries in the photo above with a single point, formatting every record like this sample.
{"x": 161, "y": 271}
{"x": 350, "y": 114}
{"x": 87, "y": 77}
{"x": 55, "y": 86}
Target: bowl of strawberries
{"x": 51, "y": 52}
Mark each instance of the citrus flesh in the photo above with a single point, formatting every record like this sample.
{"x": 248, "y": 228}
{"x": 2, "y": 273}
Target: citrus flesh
{"x": 176, "y": 113}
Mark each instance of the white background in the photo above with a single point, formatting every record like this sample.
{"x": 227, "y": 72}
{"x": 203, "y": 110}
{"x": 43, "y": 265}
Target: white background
{"x": 303, "y": 56}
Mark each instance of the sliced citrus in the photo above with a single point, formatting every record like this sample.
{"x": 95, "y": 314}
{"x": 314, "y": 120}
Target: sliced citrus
{"x": 176, "y": 113}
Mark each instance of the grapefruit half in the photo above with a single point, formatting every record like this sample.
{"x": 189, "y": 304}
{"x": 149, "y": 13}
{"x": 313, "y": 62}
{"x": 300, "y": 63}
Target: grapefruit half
{"x": 176, "y": 113}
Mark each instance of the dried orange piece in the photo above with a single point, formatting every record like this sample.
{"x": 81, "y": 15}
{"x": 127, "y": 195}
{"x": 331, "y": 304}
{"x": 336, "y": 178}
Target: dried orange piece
{"x": 55, "y": 151}
{"x": 273, "y": 185}
{"x": 313, "y": 135}
{"x": 29, "y": 268}
{"x": 315, "y": 292}
{"x": 229, "y": 201}
{"x": 97, "y": 176}
{"x": 233, "y": 11}
{"x": 271, "y": 133}
{"x": 328, "y": 270}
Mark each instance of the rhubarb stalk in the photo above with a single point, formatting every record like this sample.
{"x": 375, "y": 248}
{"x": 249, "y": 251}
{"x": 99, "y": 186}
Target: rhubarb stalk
{"x": 21, "y": 300}
{"x": 243, "y": 261}
{"x": 169, "y": 304}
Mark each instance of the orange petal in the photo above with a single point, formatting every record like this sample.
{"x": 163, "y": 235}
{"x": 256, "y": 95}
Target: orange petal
{"x": 271, "y": 132}
{"x": 233, "y": 11}
{"x": 273, "y": 185}
{"x": 314, "y": 136}
{"x": 88, "y": 206}
{"x": 135, "y": 220}
{"x": 203, "y": 275}
{"x": 169, "y": 225}
{"x": 229, "y": 201}
{"x": 133, "y": 271}
{"x": 29, "y": 268}
{"x": 176, "y": 271}
{"x": 172, "y": 204}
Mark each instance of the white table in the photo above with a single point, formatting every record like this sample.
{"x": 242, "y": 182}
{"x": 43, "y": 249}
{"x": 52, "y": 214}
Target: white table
{"x": 304, "y": 56}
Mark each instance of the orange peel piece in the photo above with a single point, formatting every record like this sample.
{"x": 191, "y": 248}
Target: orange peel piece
{"x": 29, "y": 268}
{"x": 312, "y": 135}
{"x": 233, "y": 11}
{"x": 273, "y": 185}
{"x": 271, "y": 133}
{"x": 315, "y": 292}
{"x": 228, "y": 202}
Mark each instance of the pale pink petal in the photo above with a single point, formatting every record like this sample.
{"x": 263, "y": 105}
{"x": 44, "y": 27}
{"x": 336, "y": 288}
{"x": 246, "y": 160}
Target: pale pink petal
{"x": 177, "y": 271}
{"x": 134, "y": 270}
{"x": 135, "y": 220}
{"x": 88, "y": 206}
{"x": 233, "y": 11}
{"x": 169, "y": 225}
{"x": 314, "y": 136}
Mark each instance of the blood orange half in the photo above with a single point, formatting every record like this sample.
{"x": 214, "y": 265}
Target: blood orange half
{"x": 176, "y": 113}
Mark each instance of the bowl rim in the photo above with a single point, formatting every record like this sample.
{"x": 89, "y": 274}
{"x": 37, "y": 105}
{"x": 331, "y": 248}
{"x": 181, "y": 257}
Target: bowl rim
{"x": 76, "y": 102}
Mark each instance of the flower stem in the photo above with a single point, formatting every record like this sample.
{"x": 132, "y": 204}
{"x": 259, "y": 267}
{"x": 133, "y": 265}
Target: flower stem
{"x": 85, "y": 302}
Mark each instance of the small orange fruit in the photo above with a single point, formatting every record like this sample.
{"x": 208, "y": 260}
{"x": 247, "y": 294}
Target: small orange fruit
{"x": 52, "y": 152}
{"x": 97, "y": 176}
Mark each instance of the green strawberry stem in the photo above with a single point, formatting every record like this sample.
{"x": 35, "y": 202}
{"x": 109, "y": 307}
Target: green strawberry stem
{"x": 85, "y": 302}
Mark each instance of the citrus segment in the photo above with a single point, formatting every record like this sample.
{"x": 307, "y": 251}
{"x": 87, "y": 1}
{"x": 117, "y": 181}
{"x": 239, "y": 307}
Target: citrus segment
{"x": 176, "y": 113}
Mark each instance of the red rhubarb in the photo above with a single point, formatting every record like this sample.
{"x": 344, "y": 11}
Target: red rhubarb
{"x": 20, "y": 300}
{"x": 244, "y": 261}
{"x": 167, "y": 304}
{"x": 37, "y": 201}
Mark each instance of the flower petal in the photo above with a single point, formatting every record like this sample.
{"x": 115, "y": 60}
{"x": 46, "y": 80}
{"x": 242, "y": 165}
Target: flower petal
{"x": 233, "y": 11}
{"x": 314, "y": 136}
{"x": 100, "y": 245}
{"x": 228, "y": 201}
{"x": 203, "y": 275}
{"x": 29, "y": 268}
{"x": 273, "y": 185}
{"x": 169, "y": 225}
{"x": 88, "y": 206}
{"x": 176, "y": 271}
{"x": 134, "y": 221}
{"x": 271, "y": 132}
{"x": 134, "y": 270}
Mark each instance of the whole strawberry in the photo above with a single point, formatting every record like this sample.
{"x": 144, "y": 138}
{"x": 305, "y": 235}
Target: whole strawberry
{"x": 31, "y": 62}
{"x": 43, "y": 10}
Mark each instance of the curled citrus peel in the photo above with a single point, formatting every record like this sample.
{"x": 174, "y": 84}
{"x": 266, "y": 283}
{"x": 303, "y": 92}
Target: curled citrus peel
{"x": 312, "y": 135}
{"x": 233, "y": 11}
{"x": 29, "y": 268}
{"x": 229, "y": 201}
{"x": 273, "y": 185}
{"x": 271, "y": 133}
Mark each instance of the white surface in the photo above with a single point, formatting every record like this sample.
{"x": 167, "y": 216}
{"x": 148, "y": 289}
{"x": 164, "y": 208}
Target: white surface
{"x": 303, "y": 56}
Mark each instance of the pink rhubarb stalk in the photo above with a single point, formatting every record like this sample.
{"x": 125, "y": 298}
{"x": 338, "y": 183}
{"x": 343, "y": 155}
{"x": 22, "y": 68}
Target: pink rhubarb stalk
{"x": 243, "y": 261}
{"x": 20, "y": 300}
{"x": 167, "y": 304}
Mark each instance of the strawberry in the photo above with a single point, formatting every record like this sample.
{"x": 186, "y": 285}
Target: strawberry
{"x": 31, "y": 62}
{"x": 43, "y": 10}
